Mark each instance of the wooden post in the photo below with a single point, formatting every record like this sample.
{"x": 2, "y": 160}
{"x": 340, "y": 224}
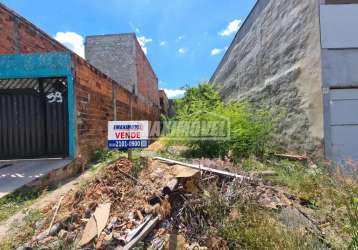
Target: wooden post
{"x": 130, "y": 155}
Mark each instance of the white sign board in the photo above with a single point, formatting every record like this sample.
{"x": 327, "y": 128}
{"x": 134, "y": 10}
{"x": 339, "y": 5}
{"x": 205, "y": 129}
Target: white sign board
{"x": 128, "y": 134}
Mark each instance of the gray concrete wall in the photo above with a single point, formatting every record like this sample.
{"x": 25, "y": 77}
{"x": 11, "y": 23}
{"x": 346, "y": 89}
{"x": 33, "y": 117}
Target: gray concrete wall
{"x": 275, "y": 59}
{"x": 114, "y": 55}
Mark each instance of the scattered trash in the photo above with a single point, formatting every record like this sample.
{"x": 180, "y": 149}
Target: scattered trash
{"x": 89, "y": 232}
{"x": 203, "y": 168}
{"x": 50, "y": 232}
{"x": 164, "y": 206}
{"x": 101, "y": 215}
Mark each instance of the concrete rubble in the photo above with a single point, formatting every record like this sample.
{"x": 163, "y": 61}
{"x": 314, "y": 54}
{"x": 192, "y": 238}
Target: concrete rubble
{"x": 161, "y": 208}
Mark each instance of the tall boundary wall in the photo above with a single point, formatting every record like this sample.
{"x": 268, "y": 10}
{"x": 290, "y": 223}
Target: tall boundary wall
{"x": 274, "y": 60}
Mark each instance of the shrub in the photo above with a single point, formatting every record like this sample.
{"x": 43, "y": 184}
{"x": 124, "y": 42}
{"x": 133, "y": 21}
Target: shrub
{"x": 250, "y": 127}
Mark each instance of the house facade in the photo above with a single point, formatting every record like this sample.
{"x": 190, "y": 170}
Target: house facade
{"x": 54, "y": 103}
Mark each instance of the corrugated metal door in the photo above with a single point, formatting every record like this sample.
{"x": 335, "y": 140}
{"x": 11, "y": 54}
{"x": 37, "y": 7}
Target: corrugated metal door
{"x": 344, "y": 124}
{"x": 33, "y": 118}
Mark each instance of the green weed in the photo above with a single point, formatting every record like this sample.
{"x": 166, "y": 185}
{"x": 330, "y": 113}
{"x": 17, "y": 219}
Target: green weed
{"x": 250, "y": 128}
{"x": 18, "y": 200}
{"x": 100, "y": 155}
{"x": 24, "y": 231}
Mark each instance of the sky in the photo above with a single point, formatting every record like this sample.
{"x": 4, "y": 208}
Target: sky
{"x": 184, "y": 39}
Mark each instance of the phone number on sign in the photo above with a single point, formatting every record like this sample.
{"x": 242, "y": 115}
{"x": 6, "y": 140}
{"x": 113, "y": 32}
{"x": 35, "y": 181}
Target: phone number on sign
{"x": 128, "y": 144}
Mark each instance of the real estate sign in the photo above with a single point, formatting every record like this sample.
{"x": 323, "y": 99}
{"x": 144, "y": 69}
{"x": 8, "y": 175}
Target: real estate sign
{"x": 127, "y": 134}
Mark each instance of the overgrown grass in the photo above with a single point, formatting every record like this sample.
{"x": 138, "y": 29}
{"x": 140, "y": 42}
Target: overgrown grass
{"x": 18, "y": 200}
{"x": 253, "y": 227}
{"x": 333, "y": 198}
{"x": 352, "y": 206}
{"x": 23, "y": 231}
{"x": 259, "y": 229}
{"x": 102, "y": 155}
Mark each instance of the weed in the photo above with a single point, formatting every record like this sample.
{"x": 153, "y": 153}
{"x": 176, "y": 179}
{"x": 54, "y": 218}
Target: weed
{"x": 137, "y": 167}
{"x": 252, "y": 164}
{"x": 139, "y": 246}
{"x": 100, "y": 155}
{"x": 250, "y": 128}
{"x": 253, "y": 227}
{"x": 352, "y": 206}
{"x": 24, "y": 231}
{"x": 17, "y": 200}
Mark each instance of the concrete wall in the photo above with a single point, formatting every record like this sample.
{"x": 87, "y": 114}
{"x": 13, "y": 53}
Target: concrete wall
{"x": 121, "y": 57}
{"x": 114, "y": 55}
{"x": 275, "y": 59}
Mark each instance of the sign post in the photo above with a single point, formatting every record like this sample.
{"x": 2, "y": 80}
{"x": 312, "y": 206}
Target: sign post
{"x": 128, "y": 134}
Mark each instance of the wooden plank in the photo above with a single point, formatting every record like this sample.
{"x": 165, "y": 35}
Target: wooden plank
{"x": 200, "y": 168}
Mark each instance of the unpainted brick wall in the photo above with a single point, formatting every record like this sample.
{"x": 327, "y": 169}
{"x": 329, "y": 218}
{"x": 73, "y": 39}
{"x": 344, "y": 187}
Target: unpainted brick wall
{"x": 94, "y": 90}
{"x": 95, "y": 106}
{"x": 163, "y": 102}
{"x": 146, "y": 78}
{"x": 17, "y": 35}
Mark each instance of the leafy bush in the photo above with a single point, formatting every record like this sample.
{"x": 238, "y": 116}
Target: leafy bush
{"x": 195, "y": 101}
{"x": 250, "y": 127}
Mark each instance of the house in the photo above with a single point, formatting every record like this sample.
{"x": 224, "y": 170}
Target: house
{"x": 302, "y": 56}
{"x": 53, "y": 103}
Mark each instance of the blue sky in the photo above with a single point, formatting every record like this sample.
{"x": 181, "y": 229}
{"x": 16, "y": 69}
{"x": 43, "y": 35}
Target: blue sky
{"x": 184, "y": 39}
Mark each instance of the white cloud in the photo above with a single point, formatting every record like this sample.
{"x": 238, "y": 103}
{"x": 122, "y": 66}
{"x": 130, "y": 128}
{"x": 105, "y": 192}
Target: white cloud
{"x": 73, "y": 41}
{"x": 143, "y": 41}
{"x": 179, "y": 38}
{"x": 163, "y": 43}
{"x": 174, "y": 93}
{"x": 215, "y": 51}
{"x": 231, "y": 28}
{"x": 137, "y": 30}
{"x": 182, "y": 51}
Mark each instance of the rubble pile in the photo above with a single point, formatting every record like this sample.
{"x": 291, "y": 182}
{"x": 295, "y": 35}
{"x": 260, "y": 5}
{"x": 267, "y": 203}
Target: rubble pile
{"x": 165, "y": 207}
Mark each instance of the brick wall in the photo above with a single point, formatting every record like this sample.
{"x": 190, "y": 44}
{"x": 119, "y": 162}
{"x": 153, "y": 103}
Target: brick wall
{"x": 20, "y": 36}
{"x": 94, "y": 91}
{"x": 163, "y": 102}
{"x": 146, "y": 79}
{"x": 95, "y": 106}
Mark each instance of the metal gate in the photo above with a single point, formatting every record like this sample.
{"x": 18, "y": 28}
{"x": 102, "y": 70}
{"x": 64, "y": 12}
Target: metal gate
{"x": 344, "y": 124}
{"x": 33, "y": 118}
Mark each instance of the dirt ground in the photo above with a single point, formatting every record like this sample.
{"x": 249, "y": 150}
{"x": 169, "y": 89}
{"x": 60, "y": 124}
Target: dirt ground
{"x": 117, "y": 206}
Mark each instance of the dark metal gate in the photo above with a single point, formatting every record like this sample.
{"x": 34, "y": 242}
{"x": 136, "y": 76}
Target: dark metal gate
{"x": 33, "y": 118}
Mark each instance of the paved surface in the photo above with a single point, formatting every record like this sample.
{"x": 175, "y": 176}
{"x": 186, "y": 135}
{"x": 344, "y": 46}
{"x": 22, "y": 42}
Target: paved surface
{"x": 17, "y": 173}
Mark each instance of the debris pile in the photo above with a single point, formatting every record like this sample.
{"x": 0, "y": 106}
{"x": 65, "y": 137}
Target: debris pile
{"x": 165, "y": 207}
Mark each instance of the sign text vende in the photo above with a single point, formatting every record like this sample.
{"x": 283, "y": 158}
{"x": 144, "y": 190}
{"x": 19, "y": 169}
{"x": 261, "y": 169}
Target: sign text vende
{"x": 127, "y": 134}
